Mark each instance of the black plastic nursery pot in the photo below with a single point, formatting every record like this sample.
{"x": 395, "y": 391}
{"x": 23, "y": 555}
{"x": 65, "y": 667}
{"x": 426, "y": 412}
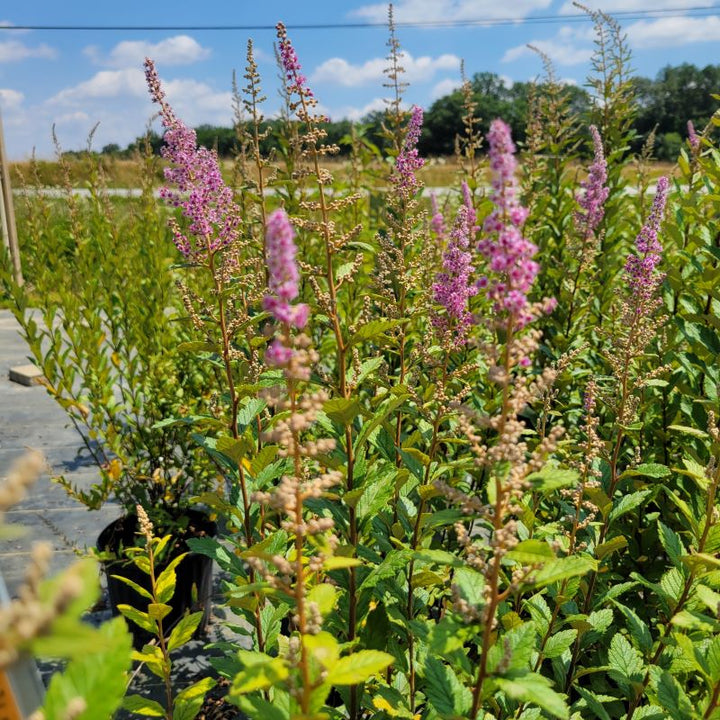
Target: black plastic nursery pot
{"x": 193, "y": 589}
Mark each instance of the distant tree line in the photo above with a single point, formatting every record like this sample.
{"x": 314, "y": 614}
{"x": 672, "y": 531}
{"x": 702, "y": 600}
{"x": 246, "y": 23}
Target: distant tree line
{"x": 678, "y": 94}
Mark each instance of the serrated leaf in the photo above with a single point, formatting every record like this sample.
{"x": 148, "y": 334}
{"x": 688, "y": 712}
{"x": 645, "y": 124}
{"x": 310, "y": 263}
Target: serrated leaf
{"x": 610, "y": 546}
{"x": 372, "y": 330}
{"x": 672, "y": 544}
{"x": 264, "y": 673}
{"x": 257, "y": 707}
{"x": 184, "y": 630}
{"x": 531, "y": 552}
{"x": 624, "y": 659}
{"x": 324, "y": 596}
{"x": 552, "y": 478}
{"x": 358, "y": 667}
{"x": 165, "y": 584}
{"x": 189, "y": 701}
{"x": 672, "y": 697}
{"x": 448, "y": 697}
{"x": 639, "y": 631}
{"x": 342, "y": 410}
{"x": 143, "y": 706}
{"x": 684, "y": 430}
{"x": 594, "y": 703}
{"x": 141, "y": 619}
{"x": 537, "y": 690}
{"x": 338, "y": 562}
{"x": 653, "y": 470}
{"x": 627, "y": 503}
{"x": 558, "y": 643}
{"x": 137, "y": 588}
{"x": 99, "y": 677}
{"x": 562, "y": 568}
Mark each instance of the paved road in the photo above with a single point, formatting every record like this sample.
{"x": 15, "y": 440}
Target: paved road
{"x": 30, "y": 418}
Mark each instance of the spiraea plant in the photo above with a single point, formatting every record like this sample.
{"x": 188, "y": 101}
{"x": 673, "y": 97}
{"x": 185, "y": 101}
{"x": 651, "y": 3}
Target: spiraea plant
{"x": 469, "y": 447}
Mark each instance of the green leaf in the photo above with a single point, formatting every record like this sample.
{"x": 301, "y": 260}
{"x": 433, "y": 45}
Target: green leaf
{"x": 562, "y": 568}
{"x": 653, "y": 470}
{"x": 139, "y": 618}
{"x": 257, "y": 707}
{"x": 610, "y": 546}
{"x": 372, "y": 330}
{"x": 235, "y": 449}
{"x": 264, "y": 672}
{"x": 537, "y": 690}
{"x": 188, "y": 702}
{"x": 358, "y": 667}
{"x": 153, "y": 658}
{"x": 471, "y": 585}
{"x": 628, "y": 503}
{"x": 337, "y": 562}
{"x": 672, "y": 697}
{"x": 624, "y": 659}
{"x": 165, "y": 584}
{"x": 639, "y": 631}
{"x": 342, "y": 410}
{"x": 672, "y": 544}
{"x": 558, "y": 643}
{"x": 139, "y": 590}
{"x": 143, "y": 706}
{"x": 184, "y": 630}
{"x": 552, "y": 478}
{"x": 684, "y": 430}
{"x": 531, "y": 552}
{"x": 99, "y": 678}
{"x": 448, "y": 697}
{"x": 325, "y": 596}
{"x": 157, "y": 611}
{"x": 594, "y": 703}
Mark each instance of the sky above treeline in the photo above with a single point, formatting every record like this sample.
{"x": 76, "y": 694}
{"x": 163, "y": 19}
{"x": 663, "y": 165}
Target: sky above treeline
{"x": 78, "y": 64}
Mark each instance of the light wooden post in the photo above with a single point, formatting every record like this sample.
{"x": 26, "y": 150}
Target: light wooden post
{"x": 7, "y": 211}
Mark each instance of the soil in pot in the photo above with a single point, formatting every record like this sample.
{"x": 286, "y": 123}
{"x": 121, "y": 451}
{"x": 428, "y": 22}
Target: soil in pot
{"x": 194, "y": 574}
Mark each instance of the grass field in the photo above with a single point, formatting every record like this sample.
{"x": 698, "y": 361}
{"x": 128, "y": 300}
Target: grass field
{"x": 120, "y": 173}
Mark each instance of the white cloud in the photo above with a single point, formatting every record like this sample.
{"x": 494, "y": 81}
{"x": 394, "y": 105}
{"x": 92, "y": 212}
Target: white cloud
{"x": 178, "y": 50}
{"x": 339, "y": 71}
{"x": 10, "y": 99}
{"x": 14, "y": 51}
{"x": 570, "y": 46}
{"x": 559, "y": 52}
{"x": 357, "y": 113}
{"x": 104, "y": 84}
{"x": 444, "y": 87}
{"x": 610, "y": 6}
{"x": 665, "y": 32}
{"x": 71, "y": 118}
{"x": 449, "y": 10}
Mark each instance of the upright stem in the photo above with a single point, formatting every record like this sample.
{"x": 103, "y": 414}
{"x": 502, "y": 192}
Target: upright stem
{"x": 344, "y": 389}
{"x": 167, "y": 680}
{"x": 495, "y": 597}
{"x": 299, "y": 565}
{"x": 234, "y": 403}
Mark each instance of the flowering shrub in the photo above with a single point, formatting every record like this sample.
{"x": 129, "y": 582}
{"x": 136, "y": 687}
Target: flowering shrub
{"x": 471, "y": 445}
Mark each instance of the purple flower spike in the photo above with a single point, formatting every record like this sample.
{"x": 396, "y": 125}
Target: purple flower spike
{"x": 297, "y": 82}
{"x": 508, "y": 253}
{"x": 594, "y": 193}
{"x": 408, "y": 162}
{"x": 693, "y": 138}
{"x": 200, "y": 190}
{"x": 437, "y": 222}
{"x": 283, "y": 279}
{"x": 452, "y": 288}
{"x": 641, "y": 268}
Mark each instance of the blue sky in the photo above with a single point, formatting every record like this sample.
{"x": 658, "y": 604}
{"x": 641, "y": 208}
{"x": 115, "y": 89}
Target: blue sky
{"x": 75, "y": 79}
